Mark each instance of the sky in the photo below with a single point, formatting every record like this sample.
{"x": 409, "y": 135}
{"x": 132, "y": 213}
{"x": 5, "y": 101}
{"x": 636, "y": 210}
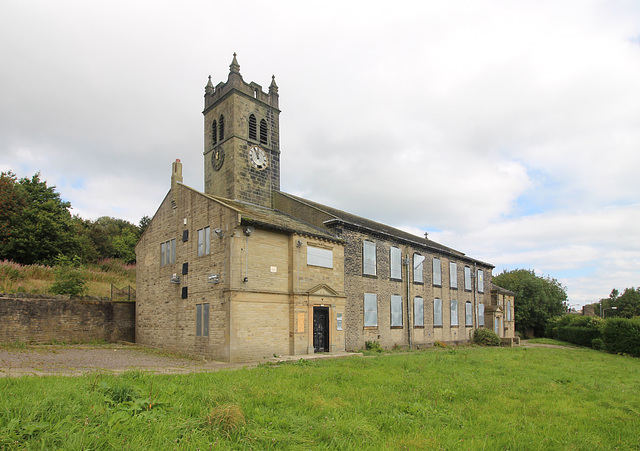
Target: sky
{"x": 509, "y": 130}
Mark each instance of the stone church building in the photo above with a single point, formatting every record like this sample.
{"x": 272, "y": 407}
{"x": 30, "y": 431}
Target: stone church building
{"x": 245, "y": 271}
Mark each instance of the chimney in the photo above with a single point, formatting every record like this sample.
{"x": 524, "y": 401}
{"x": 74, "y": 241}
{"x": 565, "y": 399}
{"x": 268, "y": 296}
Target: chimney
{"x": 176, "y": 173}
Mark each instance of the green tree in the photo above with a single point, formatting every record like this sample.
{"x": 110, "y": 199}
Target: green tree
{"x": 12, "y": 202}
{"x": 69, "y": 277}
{"x": 114, "y": 238}
{"x": 537, "y": 299}
{"x": 42, "y": 228}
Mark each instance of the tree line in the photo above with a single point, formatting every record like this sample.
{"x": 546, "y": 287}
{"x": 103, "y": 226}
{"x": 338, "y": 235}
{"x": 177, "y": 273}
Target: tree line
{"x": 36, "y": 227}
{"x": 625, "y": 305}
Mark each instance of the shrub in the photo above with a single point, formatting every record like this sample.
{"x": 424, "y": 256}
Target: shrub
{"x": 622, "y": 336}
{"x": 597, "y": 344}
{"x": 579, "y": 335}
{"x": 373, "y": 346}
{"x": 69, "y": 278}
{"x": 486, "y": 337}
{"x": 439, "y": 344}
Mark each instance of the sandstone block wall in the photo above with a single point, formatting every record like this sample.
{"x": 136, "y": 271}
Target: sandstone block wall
{"x": 37, "y": 319}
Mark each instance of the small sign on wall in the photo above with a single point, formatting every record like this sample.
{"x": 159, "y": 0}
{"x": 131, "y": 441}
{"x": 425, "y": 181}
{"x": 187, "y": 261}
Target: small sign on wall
{"x": 274, "y": 269}
{"x": 339, "y": 321}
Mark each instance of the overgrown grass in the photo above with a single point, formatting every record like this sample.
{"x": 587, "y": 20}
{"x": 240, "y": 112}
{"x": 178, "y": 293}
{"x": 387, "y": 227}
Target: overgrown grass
{"x": 15, "y": 278}
{"x": 454, "y": 398}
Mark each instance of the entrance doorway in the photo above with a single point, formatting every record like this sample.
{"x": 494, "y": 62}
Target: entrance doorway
{"x": 321, "y": 329}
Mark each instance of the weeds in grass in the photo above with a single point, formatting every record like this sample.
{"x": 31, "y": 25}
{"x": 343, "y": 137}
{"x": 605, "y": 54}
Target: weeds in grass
{"x": 226, "y": 418}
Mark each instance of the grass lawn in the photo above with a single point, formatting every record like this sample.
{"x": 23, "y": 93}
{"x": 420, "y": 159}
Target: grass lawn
{"x": 464, "y": 398}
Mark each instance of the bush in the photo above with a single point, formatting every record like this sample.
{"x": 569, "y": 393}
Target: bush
{"x": 486, "y": 337}
{"x": 597, "y": 344}
{"x": 622, "y": 336}
{"x": 577, "y": 329}
{"x": 373, "y": 346}
{"x": 580, "y": 335}
{"x": 69, "y": 278}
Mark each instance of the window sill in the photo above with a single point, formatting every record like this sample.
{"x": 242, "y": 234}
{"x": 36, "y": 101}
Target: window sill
{"x": 418, "y": 283}
{"x": 437, "y": 326}
{"x": 437, "y": 286}
{"x": 370, "y": 327}
{"x": 418, "y": 327}
{"x": 397, "y": 327}
{"x": 395, "y": 280}
{"x": 370, "y": 276}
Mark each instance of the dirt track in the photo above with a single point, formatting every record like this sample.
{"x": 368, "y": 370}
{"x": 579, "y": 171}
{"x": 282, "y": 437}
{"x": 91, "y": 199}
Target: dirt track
{"x": 42, "y": 360}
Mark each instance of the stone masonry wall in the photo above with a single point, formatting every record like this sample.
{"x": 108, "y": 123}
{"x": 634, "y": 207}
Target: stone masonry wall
{"x": 38, "y": 319}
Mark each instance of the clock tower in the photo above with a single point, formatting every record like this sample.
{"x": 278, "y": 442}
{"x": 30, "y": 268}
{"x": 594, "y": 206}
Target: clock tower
{"x": 241, "y": 139}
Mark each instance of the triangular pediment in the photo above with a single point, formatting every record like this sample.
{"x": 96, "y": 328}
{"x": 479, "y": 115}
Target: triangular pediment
{"x": 323, "y": 290}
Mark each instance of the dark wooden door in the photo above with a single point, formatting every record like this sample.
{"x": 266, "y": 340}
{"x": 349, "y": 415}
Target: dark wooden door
{"x": 321, "y": 329}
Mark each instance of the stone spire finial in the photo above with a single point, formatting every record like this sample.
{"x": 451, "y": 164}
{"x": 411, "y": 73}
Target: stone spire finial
{"x": 273, "y": 87}
{"x": 234, "y": 66}
{"x": 209, "y": 89}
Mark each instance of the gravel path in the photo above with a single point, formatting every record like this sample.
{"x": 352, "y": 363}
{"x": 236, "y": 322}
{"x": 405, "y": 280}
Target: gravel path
{"x": 42, "y": 360}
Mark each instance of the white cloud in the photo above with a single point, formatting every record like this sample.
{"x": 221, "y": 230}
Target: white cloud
{"x": 509, "y": 130}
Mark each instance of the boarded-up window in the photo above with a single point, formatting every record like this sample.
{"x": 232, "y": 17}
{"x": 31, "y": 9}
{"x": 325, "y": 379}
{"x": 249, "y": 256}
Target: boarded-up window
{"x": 468, "y": 314}
{"x": 437, "y": 272}
{"x": 319, "y": 257}
{"x": 418, "y": 311}
{"x": 454, "y": 312}
{"x": 198, "y": 320}
{"x": 370, "y": 310}
{"x": 437, "y": 312}
{"x": 508, "y": 310}
{"x": 395, "y": 258}
{"x": 369, "y": 258}
{"x": 396, "y": 311}
{"x": 467, "y": 278}
{"x": 418, "y": 268}
{"x": 480, "y": 281}
{"x": 453, "y": 275}
{"x": 480, "y": 315}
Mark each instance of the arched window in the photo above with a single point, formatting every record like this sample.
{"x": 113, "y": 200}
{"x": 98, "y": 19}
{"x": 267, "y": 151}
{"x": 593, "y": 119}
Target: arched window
{"x": 214, "y": 132}
{"x": 221, "y": 128}
{"x": 252, "y": 127}
{"x": 263, "y": 131}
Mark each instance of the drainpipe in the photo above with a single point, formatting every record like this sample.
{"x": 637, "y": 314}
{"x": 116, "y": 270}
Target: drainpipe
{"x": 407, "y": 263}
{"x": 475, "y": 294}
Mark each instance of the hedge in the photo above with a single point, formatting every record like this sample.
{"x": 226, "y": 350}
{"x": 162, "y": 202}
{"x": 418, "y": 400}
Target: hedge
{"x": 622, "y": 336}
{"x": 579, "y": 335}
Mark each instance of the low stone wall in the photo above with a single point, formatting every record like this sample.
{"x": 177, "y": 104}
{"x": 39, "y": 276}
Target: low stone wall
{"x": 42, "y": 319}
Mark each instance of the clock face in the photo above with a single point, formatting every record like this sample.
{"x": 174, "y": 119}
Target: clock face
{"x": 258, "y": 157}
{"x": 217, "y": 158}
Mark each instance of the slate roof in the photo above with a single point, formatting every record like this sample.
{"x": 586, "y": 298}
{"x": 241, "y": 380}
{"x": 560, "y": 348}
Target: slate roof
{"x": 265, "y": 217}
{"x": 350, "y": 220}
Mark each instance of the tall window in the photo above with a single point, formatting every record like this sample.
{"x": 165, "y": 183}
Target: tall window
{"x": 214, "y": 132}
{"x": 253, "y": 127}
{"x": 437, "y": 272}
{"x": 202, "y": 320}
{"x": 454, "y": 312}
{"x": 508, "y": 310}
{"x": 467, "y": 278}
{"x": 204, "y": 241}
{"x": 221, "y": 128}
{"x": 453, "y": 275}
{"x": 396, "y": 311}
{"x": 480, "y": 281}
{"x": 468, "y": 314}
{"x": 263, "y": 131}
{"x": 319, "y": 257}
{"x": 369, "y": 258}
{"x": 418, "y": 268}
{"x": 480, "y": 315}
{"x": 168, "y": 252}
{"x": 370, "y": 310}
{"x": 395, "y": 258}
{"x": 418, "y": 312}
{"x": 437, "y": 312}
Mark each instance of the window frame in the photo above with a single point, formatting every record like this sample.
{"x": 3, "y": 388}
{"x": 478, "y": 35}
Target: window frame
{"x": 397, "y": 320}
{"x": 369, "y": 248}
{"x": 480, "y": 281}
{"x": 370, "y": 300}
{"x": 480, "y": 309}
{"x": 508, "y": 309}
{"x": 204, "y": 241}
{"x": 454, "y": 312}
{"x": 395, "y": 263}
{"x": 202, "y": 320}
{"x": 418, "y": 301}
{"x": 468, "y": 314}
{"x": 468, "y": 284}
{"x": 168, "y": 252}
{"x": 437, "y": 272}
{"x": 437, "y": 312}
{"x": 264, "y": 131}
{"x": 419, "y": 265}
{"x": 253, "y": 127}
{"x": 453, "y": 275}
